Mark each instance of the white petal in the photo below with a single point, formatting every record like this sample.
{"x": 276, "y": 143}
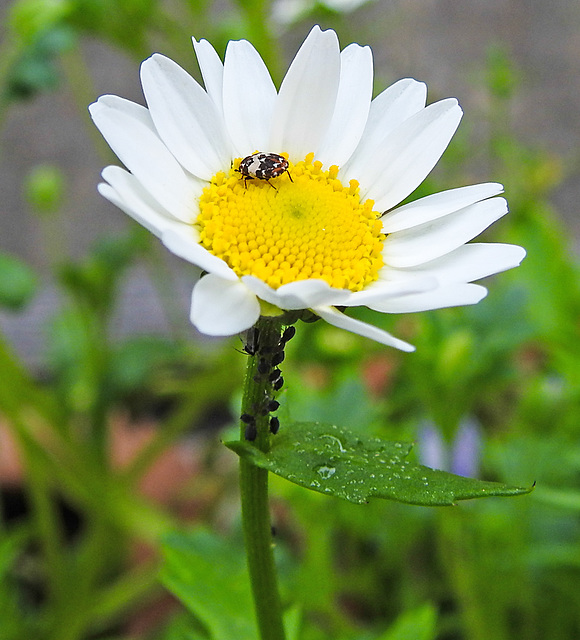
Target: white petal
{"x": 136, "y": 111}
{"x": 212, "y": 71}
{"x": 438, "y": 205}
{"x": 387, "y": 111}
{"x": 395, "y": 104}
{"x": 223, "y": 307}
{"x": 384, "y": 289}
{"x": 307, "y": 96}
{"x": 453, "y": 295}
{"x": 249, "y": 97}
{"x": 352, "y": 106}
{"x": 147, "y": 158}
{"x": 302, "y": 294}
{"x": 432, "y": 240}
{"x": 125, "y": 191}
{"x": 112, "y": 196}
{"x": 186, "y": 246}
{"x": 337, "y": 319}
{"x": 185, "y": 117}
{"x": 409, "y": 154}
{"x": 467, "y": 263}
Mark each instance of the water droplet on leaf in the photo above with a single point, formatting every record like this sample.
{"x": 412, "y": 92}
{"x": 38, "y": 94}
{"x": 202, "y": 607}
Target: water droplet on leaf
{"x": 325, "y": 472}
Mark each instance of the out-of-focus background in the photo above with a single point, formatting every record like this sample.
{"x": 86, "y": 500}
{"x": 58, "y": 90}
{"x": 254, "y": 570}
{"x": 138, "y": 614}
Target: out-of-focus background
{"x": 112, "y": 407}
{"x": 445, "y": 44}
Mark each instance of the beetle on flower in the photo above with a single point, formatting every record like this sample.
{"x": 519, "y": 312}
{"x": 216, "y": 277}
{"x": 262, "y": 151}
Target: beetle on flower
{"x": 331, "y": 235}
{"x": 263, "y": 166}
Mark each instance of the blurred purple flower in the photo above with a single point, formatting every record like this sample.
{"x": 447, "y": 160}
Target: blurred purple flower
{"x": 462, "y": 456}
{"x": 466, "y": 455}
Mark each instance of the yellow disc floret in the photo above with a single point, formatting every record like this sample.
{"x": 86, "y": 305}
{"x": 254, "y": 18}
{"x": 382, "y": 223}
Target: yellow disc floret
{"x": 296, "y": 227}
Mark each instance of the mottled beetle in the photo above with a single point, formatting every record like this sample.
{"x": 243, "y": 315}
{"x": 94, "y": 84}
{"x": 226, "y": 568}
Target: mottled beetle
{"x": 263, "y": 166}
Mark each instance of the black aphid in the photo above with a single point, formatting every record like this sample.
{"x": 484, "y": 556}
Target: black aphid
{"x": 252, "y": 345}
{"x": 272, "y": 405}
{"x": 251, "y": 432}
{"x": 263, "y": 366}
{"x": 276, "y": 373}
{"x": 274, "y": 425}
{"x": 277, "y": 358}
{"x": 288, "y": 334}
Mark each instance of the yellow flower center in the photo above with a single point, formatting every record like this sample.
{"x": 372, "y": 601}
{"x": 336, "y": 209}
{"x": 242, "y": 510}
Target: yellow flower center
{"x": 300, "y": 226}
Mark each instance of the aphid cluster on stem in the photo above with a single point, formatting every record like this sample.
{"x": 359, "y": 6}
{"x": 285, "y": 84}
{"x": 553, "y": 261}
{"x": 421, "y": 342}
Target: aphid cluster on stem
{"x": 267, "y": 371}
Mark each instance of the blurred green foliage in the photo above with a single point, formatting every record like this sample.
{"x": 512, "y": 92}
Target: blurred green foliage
{"x": 18, "y": 282}
{"x": 44, "y": 189}
{"x": 497, "y": 569}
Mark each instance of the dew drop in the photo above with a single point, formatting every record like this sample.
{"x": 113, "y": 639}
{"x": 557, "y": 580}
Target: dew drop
{"x": 337, "y": 441}
{"x": 325, "y": 472}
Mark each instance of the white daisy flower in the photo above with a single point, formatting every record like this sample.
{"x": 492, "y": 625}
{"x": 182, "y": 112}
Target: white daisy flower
{"x": 309, "y": 224}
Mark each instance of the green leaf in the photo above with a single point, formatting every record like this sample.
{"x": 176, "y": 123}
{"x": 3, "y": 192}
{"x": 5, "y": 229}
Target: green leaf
{"x": 209, "y": 576}
{"x": 293, "y": 622}
{"x": 182, "y": 627}
{"x": 332, "y": 460}
{"x": 135, "y": 361}
{"x": 417, "y": 624}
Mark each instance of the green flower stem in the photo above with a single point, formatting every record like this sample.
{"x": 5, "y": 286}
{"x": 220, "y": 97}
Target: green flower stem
{"x": 254, "y": 483}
